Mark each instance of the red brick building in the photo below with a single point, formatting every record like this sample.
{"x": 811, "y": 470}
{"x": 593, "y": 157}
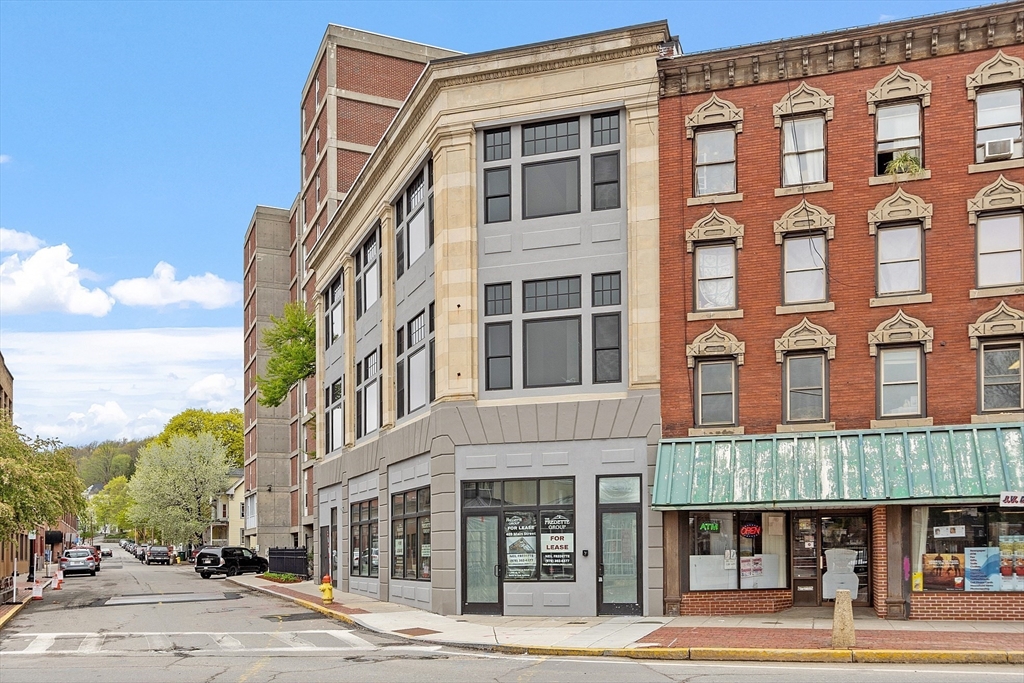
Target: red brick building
{"x": 845, "y": 408}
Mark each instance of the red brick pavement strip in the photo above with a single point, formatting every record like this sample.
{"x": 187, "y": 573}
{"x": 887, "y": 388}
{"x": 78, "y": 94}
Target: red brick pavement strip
{"x": 341, "y": 609}
{"x": 821, "y": 638}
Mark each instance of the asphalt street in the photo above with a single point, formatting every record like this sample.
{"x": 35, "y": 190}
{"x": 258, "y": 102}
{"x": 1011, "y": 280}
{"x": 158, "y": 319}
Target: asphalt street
{"x": 159, "y": 624}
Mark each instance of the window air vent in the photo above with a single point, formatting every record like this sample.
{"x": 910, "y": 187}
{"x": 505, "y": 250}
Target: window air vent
{"x": 998, "y": 149}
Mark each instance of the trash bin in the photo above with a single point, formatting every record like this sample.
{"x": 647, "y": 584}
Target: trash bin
{"x": 181, "y": 556}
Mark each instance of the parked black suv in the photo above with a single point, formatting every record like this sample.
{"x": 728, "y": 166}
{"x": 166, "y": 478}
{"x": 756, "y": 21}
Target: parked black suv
{"x": 158, "y": 554}
{"x": 230, "y": 560}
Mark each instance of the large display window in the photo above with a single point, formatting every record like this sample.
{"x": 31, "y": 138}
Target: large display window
{"x": 738, "y": 551}
{"x": 964, "y": 548}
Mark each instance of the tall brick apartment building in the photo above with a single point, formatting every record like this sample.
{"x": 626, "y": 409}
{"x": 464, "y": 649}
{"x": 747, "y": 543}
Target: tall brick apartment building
{"x": 357, "y": 83}
{"x": 843, "y": 408}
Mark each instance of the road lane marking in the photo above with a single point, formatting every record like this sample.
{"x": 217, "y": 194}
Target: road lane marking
{"x": 292, "y": 639}
{"x": 40, "y": 643}
{"x": 159, "y": 598}
{"x": 91, "y": 644}
{"x": 158, "y": 641}
{"x": 227, "y": 642}
{"x": 350, "y": 638}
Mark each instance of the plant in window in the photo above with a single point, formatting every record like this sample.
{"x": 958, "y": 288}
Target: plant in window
{"x": 903, "y": 163}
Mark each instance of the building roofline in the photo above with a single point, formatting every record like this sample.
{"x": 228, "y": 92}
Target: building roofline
{"x": 263, "y": 209}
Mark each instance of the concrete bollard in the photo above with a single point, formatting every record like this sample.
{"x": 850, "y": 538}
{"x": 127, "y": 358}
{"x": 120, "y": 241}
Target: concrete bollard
{"x": 843, "y": 637}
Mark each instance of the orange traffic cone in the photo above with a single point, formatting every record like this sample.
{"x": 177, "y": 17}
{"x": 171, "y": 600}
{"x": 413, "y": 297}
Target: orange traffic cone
{"x": 59, "y": 580}
{"x": 37, "y": 590}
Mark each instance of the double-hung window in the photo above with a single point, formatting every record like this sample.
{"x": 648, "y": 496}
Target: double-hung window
{"x": 552, "y": 188}
{"x": 897, "y": 131}
{"x": 607, "y": 332}
{"x": 498, "y": 337}
{"x": 414, "y": 368}
{"x": 1000, "y": 373}
{"x": 551, "y": 346}
{"x": 716, "y": 392}
{"x": 902, "y": 382}
{"x": 605, "y": 177}
{"x": 900, "y": 259}
{"x": 998, "y": 125}
{"x": 368, "y": 398}
{"x": 334, "y": 424}
{"x": 414, "y": 216}
{"x": 1001, "y": 249}
{"x": 806, "y": 388}
{"x": 803, "y": 150}
{"x": 367, "y": 264}
{"x": 715, "y": 276}
{"x": 714, "y": 161}
{"x": 497, "y": 181}
{"x": 804, "y": 278}
{"x": 334, "y": 312}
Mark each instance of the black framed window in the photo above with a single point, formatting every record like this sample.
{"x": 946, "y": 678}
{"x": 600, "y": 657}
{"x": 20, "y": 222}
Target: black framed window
{"x": 334, "y": 424}
{"x": 605, "y": 175}
{"x": 715, "y": 276}
{"x": 551, "y": 136}
{"x": 498, "y": 299}
{"x": 498, "y": 355}
{"x": 606, "y": 289}
{"x": 551, "y": 352}
{"x": 803, "y": 261}
{"x": 498, "y": 144}
{"x": 551, "y": 295}
{"x": 714, "y": 162}
{"x": 1000, "y": 375}
{"x": 803, "y": 150}
{"x": 414, "y": 221}
{"x": 367, "y": 264}
{"x": 497, "y": 195}
{"x": 897, "y": 131}
{"x": 900, "y": 260}
{"x": 364, "y": 539}
{"x": 607, "y": 348}
{"x": 368, "y": 398}
{"x": 414, "y": 364}
{"x": 1001, "y": 249}
{"x": 716, "y": 392}
{"x": 806, "y": 388}
{"x": 410, "y": 535}
{"x": 901, "y": 382}
{"x": 604, "y": 129}
{"x": 334, "y": 312}
{"x": 551, "y": 188}
{"x": 998, "y": 125}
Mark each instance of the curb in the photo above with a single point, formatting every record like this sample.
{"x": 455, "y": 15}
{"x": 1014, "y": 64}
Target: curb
{"x": 721, "y": 654}
{"x": 20, "y": 606}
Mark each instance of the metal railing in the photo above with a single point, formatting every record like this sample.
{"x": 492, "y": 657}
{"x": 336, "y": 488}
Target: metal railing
{"x": 6, "y": 590}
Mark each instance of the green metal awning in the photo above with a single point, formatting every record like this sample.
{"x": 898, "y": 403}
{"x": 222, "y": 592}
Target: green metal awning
{"x": 840, "y": 469}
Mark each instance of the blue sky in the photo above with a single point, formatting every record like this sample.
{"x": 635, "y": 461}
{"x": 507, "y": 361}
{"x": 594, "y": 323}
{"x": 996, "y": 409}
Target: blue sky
{"x": 136, "y": 138}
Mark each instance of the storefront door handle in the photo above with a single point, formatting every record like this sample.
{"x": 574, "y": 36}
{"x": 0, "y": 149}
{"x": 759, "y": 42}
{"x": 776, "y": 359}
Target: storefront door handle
{"x": 497, "y": 570}
{"x": 600, "y": 570}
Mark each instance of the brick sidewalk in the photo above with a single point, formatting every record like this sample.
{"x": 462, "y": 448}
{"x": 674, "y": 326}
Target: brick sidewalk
{"x": 821, "y": 638}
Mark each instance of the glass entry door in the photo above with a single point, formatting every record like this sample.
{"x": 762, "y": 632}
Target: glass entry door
{"x": 482, "y": 584}
{"x": 844, "y": 557}
{"x": 805, "y": 560}
{"x": 619, "y": 522}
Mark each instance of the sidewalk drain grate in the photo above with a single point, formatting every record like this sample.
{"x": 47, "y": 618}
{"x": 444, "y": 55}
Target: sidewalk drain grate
{"x": 576, "y": 622}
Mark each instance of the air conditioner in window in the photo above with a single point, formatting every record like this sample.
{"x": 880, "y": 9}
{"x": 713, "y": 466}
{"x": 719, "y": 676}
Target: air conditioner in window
{"x": 998, "y": 149}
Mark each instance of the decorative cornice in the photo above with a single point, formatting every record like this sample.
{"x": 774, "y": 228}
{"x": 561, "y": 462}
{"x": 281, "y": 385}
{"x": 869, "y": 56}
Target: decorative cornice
{"x": 1001, "y": 68}
{"x": 900, "y": 85}
{"x": 714, "y": 226}
{"x": 714, "y": 111}
{"x": 899, "y": 206}
{"x": 715, "y": 342}
{"x": 805, "y": 217}
{"x": 803, "y": 336}
{"x": 1001, "y": 194}
{"x": 804, "y": 99}
{"x": 1001, "y": 320}
{"x": 952, "y": 33}
{"x": 901, "y": 329}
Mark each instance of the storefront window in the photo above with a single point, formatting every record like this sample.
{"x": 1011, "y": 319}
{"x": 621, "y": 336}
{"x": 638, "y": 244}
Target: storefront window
{"x": 745, "y": 550}
{"x": 410, "y": 526}
{"x": 364, "y": 539}
{"x": 975, "y": 549}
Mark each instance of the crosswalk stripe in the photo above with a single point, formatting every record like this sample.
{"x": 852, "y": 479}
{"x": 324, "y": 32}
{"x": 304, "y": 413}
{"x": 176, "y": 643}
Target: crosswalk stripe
{"x": 158, "y": 641}
{"x": 227, "y": 642}
{"x": 291, "y": 639}
{"x": 350, "y": 638}
{"x": 91, "y": 644}
{"x": 40, "y": 643}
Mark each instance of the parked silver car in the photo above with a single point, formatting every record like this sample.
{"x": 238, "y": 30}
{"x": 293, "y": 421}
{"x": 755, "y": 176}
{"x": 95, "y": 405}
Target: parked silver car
{"x": 78, "y": 560}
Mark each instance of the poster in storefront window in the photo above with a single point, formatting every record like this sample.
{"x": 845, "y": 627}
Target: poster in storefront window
{"x": 943, "y": 571}
{"x": 981, "y": 569}
{"x": 520, "y": 546}
{"x": 557, "y": 546}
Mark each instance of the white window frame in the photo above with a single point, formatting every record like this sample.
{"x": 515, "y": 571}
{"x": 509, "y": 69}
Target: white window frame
{"x": 883, "y": 383}
{"x": 823, "y": 358}
{"x": 698, "y": 164}
{"x": 797, "y": 152}
{"x": 1018, "y": 142}
{"x": 699, "y": 393}
{"x": 879, "y": 262}
{"x": 697, "y": 279}
{"x": 787, "y": 296}
{"x": 984, "y": 218}
{"x": 992, "y": 345}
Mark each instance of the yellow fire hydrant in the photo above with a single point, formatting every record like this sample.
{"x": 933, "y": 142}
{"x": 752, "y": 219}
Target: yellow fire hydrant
{"x": 327, "y": 590}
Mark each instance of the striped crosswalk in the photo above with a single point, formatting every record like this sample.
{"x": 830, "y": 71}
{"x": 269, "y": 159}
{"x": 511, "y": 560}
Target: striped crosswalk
{"x": 194, "y": 642}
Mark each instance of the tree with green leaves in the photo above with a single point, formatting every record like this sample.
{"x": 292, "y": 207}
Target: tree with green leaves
{"x": 174, "y": 484}
{"x": 111, "y": 505}
{"x": 292, "y": 343}
{"x": 225, "y": 426}
{"x": 39, "y": 483}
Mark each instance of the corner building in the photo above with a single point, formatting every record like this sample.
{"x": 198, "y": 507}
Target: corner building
{"x": 487, "y": 412}
{"x": 845, "y": 410}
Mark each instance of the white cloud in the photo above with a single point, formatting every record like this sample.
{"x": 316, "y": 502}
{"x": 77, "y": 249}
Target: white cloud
{"x": 48, "y": 281}
{"x": 12, "y": 240}
{"x": 5, "y": 158}
{"x": 114, "y": 384}
{"x": 162, "y": 289}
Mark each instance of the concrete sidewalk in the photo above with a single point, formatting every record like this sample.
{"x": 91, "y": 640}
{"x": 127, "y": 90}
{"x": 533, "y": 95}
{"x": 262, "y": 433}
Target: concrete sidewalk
{"x": 9, "y": 610}
{"x": 802, "y": 634}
